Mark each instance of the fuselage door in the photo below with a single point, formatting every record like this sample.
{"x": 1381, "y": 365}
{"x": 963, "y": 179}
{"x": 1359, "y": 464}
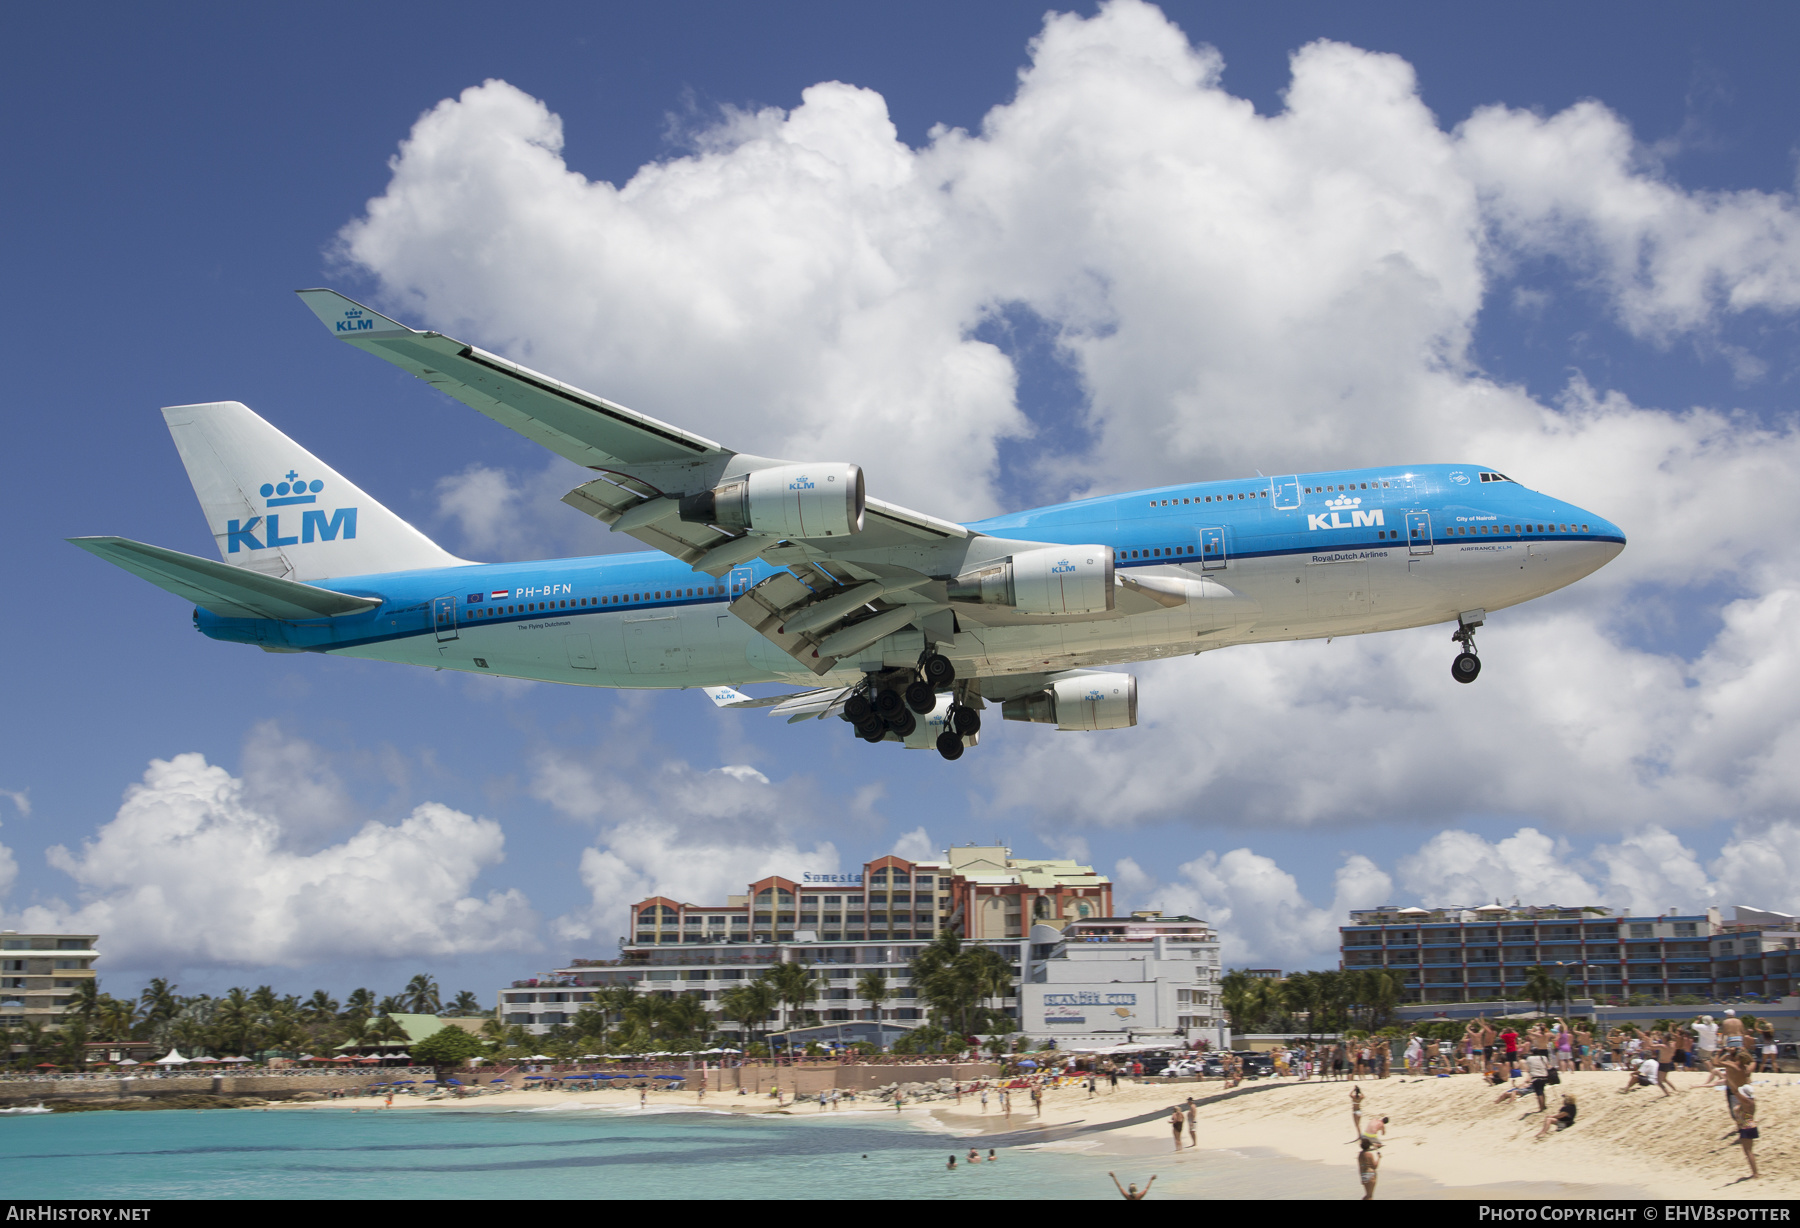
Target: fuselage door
{"x": 738, "y": 582}
{"x": 1286, "y": 493}
{"x": 443, "y": 617}
{"x": 1212, "y": 549}
{"x": 1418, "y": 532}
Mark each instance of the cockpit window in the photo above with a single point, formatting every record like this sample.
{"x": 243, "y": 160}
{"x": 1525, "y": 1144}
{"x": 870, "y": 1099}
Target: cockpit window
{"x": 1494, "y": 477}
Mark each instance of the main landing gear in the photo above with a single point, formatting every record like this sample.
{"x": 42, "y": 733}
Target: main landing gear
{"x": 1467, "y": 666}
{"x": 891, "y": 702}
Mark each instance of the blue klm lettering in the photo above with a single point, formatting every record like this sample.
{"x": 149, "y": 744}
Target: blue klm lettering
{"x": 351, "y": 326}
{"x": 235, "y": 536}
{"x": 314, "y": 522}
{"x": 274, "y": 531}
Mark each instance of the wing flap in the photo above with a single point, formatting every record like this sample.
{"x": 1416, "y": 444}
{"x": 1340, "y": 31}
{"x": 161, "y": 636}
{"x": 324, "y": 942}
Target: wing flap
{"x": 231, "y": 592}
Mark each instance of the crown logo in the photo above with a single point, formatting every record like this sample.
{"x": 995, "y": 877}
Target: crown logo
{"x": 291, "y": 489}
{"x": 1344, "y": 502}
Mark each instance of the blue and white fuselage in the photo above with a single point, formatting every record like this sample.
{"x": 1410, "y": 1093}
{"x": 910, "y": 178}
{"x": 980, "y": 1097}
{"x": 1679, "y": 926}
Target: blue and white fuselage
{"x": 1301, "y": 557}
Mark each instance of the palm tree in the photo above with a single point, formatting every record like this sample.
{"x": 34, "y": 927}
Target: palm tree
{"x": 393, "y": 1004}
{"x": 361, "y": 1002}
{"x": 1543, "y": 987}
{"x": 872, "y": 987}
{"x": 159, "y": 1001}
{"x": 421, "y": 995}
{"x": 116, "y": 1018}
{"x": 320, "y": 1008}
{"x": 384, "y": 1030}
{"x": 748, "y": 1005}
{"x": 85, "y": 1003}
{"x": 793, "y": 985}
{"x": 466, "y": 1004}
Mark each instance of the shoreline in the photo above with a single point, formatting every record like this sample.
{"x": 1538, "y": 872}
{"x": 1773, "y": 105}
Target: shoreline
{"x": 1446, "y": 1132}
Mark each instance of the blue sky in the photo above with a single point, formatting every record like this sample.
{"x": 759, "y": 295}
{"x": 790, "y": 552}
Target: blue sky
{"x": 176, "y": 173}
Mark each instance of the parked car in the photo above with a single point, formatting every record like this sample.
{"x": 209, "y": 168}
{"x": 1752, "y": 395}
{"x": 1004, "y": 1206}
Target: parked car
{"x": 1183, "y": 1068}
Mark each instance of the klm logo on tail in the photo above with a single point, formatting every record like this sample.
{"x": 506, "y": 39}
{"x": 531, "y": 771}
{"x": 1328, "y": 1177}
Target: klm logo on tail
{"x": 314, "y": 526}
{"x": 354, "y": 322}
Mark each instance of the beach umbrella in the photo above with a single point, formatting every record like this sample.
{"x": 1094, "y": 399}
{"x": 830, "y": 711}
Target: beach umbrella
{"x": 129, "y": 1062}
{"x": 399, "y": 1082}
{"x": 173, "y": 1058}
{"x": 533, "y": 1078}
{"x": 48, "y": 1066}
{"x": 496, "y": 1080}
{"x": 455, "y": 1082}
{"x": 1028, "y": 1062}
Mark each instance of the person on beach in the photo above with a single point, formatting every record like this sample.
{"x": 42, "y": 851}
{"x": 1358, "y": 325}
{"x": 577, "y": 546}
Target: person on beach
{"x": 1193, "y": 1122}
{"x": 952, "y": 1165}
{"x": 1766, "y": 1059}
{"x": 991, "y": 1157}
{"x": 984, "y": 1097}
{"x": 1368, "y": 1161}
{"x": 1092, "y": 1084}
{"x": 1177, "y": 1123}
{"x": 1374, "y": 1132}
{"x": 974, "y": 1156}
{"x": 1735, "y": 1067}
{"x": 1747, "y": 1131}
{"x": 1486, "y": 1032}
{"x": 1706, "y": 1039}
{"x": 1133, "y": 1194}
{"x": 1564, "y": 1118}
{"x": 1731, "y": 1032}
{"x": 1643, "y": 1076}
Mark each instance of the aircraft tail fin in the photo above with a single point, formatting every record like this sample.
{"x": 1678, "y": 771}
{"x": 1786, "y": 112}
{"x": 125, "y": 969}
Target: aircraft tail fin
{"x": 232, "y": 592}
{"x": 276, "y": 509}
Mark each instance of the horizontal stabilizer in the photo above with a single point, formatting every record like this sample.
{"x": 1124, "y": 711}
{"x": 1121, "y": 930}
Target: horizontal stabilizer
{"x": 230, "y": 592}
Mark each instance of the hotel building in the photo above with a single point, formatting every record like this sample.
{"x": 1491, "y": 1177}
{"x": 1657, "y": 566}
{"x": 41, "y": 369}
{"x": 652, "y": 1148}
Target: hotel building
{"x": 1486, "y": 952}
{"x": 40, "y": 975}
{"x": 1145, "y": 976}
{"x": 877, "y": 919}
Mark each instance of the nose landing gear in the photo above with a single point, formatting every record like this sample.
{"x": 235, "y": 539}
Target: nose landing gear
{"x": 1467, "y": 666}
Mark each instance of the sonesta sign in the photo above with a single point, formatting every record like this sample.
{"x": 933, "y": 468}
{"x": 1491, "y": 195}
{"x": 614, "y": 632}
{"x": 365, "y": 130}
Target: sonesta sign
{"x": 845, "y": 880}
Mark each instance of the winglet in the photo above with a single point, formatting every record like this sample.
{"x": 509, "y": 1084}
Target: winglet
{"x": 725, "y": 697}
{"x": 349, "y": 319}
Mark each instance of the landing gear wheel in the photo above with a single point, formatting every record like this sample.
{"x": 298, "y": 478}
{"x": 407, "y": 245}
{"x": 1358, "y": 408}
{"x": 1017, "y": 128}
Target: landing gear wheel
{"x": 939, "y": 673}
{"x": 871, "y": 728}
{"x": 965, "y": 722}
{"x": 1466, "y": 667}
{"x": 858, "y": 708}
{"x": 904, "y": 724}
{"x": 889, "y": 705}
{"x": 920, "y": 697}
{"x": 950, "y": 746}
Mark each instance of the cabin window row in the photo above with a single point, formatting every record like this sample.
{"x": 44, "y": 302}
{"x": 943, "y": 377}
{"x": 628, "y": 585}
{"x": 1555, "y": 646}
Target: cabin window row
{"x": 1252, "y": 494}
{"x": 1164, "y": 552}
{"x": 1484, "y": 530}
{"x": 497, "y": 611}
{"x": 1341, "y": 486}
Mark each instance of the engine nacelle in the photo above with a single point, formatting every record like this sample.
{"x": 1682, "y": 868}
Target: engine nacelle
{"x": 1084, "y": 702}
{"x": 1051, "y": 580}
{"x": 785, "y": 501}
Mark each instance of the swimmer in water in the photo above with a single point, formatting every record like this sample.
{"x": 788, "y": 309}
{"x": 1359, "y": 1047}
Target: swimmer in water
{"x": 1133, "y": 1194}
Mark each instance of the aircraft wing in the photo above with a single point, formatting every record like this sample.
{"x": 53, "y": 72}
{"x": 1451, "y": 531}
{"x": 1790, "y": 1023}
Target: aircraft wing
{"x": 645, "y": 464}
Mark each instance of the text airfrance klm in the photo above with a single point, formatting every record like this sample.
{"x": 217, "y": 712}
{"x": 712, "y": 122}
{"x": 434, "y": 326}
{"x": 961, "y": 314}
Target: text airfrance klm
{"x": 1333, "y": 520}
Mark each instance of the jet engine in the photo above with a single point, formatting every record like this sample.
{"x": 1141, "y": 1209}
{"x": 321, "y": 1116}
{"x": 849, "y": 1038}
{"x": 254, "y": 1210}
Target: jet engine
{"x": 1081, "y": 702}
{"x": 784, "y": 501}
{"x": 1051, "y": 580}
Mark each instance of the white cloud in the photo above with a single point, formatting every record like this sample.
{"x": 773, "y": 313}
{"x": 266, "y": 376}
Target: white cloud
{"x": 1264, "y": 919}
{"x": 187, "y": 874}
{"x": 916, "y": 845}
{"x": 21, "y": 800}
{"x": 9, "y": 871}
{"x": 1236, "y": 292}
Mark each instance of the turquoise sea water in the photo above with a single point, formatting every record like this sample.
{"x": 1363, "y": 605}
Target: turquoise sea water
{"x": 607, "y": 1153}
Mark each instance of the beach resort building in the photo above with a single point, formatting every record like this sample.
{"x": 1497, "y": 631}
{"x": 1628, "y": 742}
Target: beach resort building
{"x": 1146, "y": 976}
{"x": 874, "y": 919}
{"x": 40, "y": 974}
{"x": 1486, "y": 952}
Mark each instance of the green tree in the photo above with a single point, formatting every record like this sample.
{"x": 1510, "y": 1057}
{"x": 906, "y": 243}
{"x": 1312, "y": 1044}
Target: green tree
{"x": 159, "y": 1002}
{"x": 84, "y": 1004}
{"x": 1543, "y": 987}
{"x": 872, "y": 987}
{"x": 320, "y": 1007}
{"x": 383, "y": 1030}
{"x": 447, "y": 1048}
{"x": 360, "y": 1004}
{"x": 421, "y": 995}
{"x": 466, "y": 1006}
{"x": 749, "y": 1005}
{"x": 793, "y": 986}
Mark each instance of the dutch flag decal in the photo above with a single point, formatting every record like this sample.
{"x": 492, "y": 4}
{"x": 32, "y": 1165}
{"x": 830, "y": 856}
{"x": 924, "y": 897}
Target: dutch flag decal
{"x": 498, "y": 593}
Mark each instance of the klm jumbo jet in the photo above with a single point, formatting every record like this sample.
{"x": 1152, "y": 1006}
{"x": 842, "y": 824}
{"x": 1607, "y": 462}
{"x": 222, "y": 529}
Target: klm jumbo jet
{"x": 904, "y": 626}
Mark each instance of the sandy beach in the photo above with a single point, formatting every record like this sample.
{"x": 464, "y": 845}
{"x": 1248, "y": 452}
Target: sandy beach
{"x": 1444, "y": 1130}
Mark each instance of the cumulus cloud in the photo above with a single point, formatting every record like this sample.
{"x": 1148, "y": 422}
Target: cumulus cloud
{"x": 692, "y": 834}
{"x": 1264, "y": 918}
{"x": 188, "y": 874}
{"x": 21, "y": 800}
{"x": 916, "y": 845}
{"x": 1234, "y": 292}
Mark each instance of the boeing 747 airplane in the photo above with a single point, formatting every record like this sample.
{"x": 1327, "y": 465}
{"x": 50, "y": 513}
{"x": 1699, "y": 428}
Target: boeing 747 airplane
{"x": 905, "y": 626}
